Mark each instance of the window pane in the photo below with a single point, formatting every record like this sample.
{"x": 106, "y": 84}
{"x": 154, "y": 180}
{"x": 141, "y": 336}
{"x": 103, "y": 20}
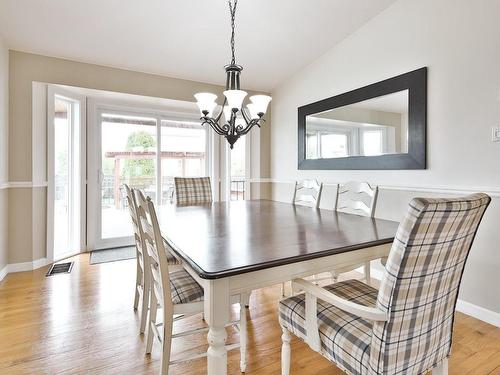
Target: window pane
{"x": 333, "y": 145}
{"x": 238, "y": 160}
{"x": 62, "y": 174}
{"x": 128, "y": 156}
{"x": 372, "y": 143}
{"x": 183, "y": 154}
{"x": 311, "y": 146}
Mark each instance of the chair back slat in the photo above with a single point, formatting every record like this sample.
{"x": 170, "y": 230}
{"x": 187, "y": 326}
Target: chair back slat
{"x": 157, "y": 256}
{"x": 132, "y": 207}
{"x": 420, "y": 284}
{"x": 358, "y": 198}
{"x": 307, "y": 193}
{"x": 193, "y": 190}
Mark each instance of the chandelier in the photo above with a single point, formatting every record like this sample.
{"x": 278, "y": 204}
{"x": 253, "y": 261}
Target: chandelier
{"x": 237, "y": 121}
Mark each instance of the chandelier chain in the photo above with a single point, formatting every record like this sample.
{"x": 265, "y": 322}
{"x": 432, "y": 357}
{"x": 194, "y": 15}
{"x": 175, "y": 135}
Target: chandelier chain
{"x": 232, "y": 11}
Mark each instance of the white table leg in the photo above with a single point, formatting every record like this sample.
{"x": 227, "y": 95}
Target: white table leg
{"x": 217, "y": 316}
{"x": 243, "y": 337}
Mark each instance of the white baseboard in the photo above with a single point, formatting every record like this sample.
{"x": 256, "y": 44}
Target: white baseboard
{"x": 21, "y": 267}
{"x": 3, "y": 272}
{"x": 464, "y": 307}
{"x": 479, "y": 312}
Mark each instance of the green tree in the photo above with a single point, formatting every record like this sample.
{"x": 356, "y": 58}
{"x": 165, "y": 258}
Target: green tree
{"x": 143, "y": 169}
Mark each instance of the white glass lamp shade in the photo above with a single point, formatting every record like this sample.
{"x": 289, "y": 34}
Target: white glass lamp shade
{"x": 254, "y": 114}
{"x": 206, "y": 102}
{"x": 235, "y": 98}
{"x": 227, "y": 113}
{"x": 260, "y": 102}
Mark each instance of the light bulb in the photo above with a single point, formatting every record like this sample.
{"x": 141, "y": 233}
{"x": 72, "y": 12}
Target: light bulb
{"x": 261, "y": 102}
{"x": 235, "y": 98}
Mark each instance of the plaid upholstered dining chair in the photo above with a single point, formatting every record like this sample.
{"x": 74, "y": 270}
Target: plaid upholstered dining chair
{"x": 193, "y": 190}
{"x": 406, "y": 326}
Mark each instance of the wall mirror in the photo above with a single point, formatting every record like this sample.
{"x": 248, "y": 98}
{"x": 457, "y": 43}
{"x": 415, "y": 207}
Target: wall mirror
{"x": 380, "y": 126}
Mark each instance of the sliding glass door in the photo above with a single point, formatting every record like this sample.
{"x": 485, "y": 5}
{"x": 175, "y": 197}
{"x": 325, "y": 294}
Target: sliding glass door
{"x": 145, "y": 151}
{"x": 128, "y": 156}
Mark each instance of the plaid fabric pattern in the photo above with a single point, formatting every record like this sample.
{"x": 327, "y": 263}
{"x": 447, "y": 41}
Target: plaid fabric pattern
{"x": 171, "y": 260}
{"x": 184, "y": 288}
{"x": 193, "y": 191}
{"x": 345, "y": 338}
{"x": 420, "y": 285}
{"x": 419, "y": 290}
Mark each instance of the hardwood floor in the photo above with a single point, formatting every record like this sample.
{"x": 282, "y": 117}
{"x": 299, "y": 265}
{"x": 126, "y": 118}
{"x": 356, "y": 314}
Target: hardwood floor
{"x": 83, "y": 323}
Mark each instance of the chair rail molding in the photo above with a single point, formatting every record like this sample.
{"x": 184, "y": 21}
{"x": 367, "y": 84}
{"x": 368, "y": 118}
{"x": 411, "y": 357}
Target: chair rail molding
{"x": 22, "y": 184}
{"x": 440, "y": 189}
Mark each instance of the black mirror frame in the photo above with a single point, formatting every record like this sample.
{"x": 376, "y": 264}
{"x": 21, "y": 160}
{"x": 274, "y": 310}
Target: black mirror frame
{"x": 416, "y": 84}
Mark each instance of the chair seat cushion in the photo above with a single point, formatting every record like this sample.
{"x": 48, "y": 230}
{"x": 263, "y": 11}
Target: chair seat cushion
{"x": 184, "y": 288}
{"x": 171, "y": 260}
{"x": 345, "y": 338}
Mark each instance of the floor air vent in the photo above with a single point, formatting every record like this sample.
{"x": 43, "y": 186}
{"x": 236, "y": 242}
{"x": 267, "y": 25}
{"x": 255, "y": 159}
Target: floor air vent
{"x": 60, "y": 268}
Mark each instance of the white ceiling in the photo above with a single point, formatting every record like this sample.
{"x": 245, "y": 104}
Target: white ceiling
{"x": 186, "y": 38}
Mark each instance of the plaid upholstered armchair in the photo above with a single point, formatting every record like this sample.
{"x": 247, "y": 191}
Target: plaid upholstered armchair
{"x": 406, "y": 326}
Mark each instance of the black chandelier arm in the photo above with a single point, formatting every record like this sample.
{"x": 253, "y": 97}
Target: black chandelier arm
{"x": 221, "y": 111}
{"x": 247, "y": 118}
{"x": 226, "y": 128}
{"x": 246, "y": 129}
{"x": 214, "y": 125}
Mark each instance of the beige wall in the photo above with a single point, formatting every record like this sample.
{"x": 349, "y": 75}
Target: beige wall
{"x": 28, "y": 244}
{"x": 4, "y": 151}
{"x": 463, "y": 105}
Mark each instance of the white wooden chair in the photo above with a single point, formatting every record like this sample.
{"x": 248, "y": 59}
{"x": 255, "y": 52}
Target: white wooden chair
{"x": 142, "y": 283}
{"x": 307, "y": 193}
{"x": 358, "y": 198}
{"x": 174, "y": 292}
{"x": 142, "y": 277}
{"x": 406, "y": 326}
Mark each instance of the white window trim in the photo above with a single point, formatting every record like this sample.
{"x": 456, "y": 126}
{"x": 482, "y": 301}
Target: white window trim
{"x": 80, "y": 242}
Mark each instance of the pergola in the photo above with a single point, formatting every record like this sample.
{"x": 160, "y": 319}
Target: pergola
{"x": 119, "y": 155}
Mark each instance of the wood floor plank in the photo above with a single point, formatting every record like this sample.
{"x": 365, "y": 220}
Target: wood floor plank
{"x": 84, "y": 323}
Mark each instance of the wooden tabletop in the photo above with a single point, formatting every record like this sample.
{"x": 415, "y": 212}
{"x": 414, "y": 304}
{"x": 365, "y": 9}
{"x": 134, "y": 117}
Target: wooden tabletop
{"x": 229, "y": 238}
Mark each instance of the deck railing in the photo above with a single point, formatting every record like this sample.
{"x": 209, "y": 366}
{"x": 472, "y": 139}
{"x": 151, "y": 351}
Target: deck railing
{"x": 237, "y": 188}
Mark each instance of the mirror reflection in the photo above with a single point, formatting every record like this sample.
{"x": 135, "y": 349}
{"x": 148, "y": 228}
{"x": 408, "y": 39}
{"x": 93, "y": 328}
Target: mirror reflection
{"x": 373, "y": 127}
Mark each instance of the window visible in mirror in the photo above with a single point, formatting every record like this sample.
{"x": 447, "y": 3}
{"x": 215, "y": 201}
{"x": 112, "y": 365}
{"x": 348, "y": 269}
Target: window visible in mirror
{"x": 312, "y": 145}
{"x": 333, "y": 145}
{"x": 372, "y": 143}
{"x": 322, "y": 145}
{"x": 372, "y": 127}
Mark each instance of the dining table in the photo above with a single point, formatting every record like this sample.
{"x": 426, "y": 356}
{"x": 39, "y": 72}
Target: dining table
{"x": 235, "y": 247}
